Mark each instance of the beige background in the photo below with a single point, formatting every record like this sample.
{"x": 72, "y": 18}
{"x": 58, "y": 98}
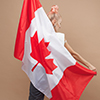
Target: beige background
{"x": 81, "y": 24}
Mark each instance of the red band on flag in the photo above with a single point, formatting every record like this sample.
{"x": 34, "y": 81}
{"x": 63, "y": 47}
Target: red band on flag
{"x": 73, "y": 83}
{"x": 27, "y": 14}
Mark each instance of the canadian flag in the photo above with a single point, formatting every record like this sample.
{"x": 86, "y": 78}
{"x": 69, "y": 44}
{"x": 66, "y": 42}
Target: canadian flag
{"x": 49, "y": 66}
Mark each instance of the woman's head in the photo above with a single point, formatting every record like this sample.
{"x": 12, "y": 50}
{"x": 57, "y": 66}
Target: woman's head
{"x": 55, "y": 17}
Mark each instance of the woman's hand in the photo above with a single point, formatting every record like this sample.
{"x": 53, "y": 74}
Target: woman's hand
{"x": 79, "y": 58}
{"x": 91, "y": 67}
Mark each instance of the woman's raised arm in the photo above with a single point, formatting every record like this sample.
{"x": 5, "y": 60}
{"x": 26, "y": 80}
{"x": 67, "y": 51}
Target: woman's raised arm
{"x": 79, "y": 58}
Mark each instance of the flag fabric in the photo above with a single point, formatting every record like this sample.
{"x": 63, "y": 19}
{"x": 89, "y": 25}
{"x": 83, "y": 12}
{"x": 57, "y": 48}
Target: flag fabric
{"x": 49, "y": 66}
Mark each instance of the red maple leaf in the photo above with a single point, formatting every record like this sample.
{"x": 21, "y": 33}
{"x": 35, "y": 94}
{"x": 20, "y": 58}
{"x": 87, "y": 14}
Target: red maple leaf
{"x": 40, "y": 52}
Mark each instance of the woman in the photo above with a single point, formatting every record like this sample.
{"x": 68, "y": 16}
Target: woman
{"x": 56, "y": 20}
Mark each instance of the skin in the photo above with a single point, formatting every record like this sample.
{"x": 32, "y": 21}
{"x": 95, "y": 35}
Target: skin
{"x": 57, "y": 25}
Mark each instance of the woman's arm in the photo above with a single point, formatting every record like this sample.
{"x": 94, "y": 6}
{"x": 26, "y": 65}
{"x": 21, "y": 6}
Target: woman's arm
{"x": 79, "y": 58}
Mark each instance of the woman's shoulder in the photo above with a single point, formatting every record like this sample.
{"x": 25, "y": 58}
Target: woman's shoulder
{"x": 61, "y": 37}
{"x": 60, "y": 34}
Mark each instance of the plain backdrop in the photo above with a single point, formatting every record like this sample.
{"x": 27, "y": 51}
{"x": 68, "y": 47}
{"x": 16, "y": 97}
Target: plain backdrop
{"x": 81, "y": 25}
